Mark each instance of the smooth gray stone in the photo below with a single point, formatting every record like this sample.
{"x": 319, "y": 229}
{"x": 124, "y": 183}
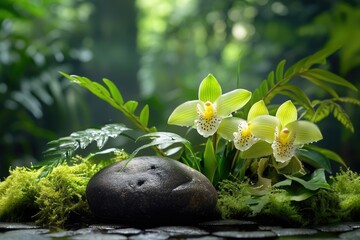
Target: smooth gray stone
{"x": 151, "y": 236}
{"x": 98, "y": 236}
{"x": 102, "y": 227}
{"x": 350, "y": 235}
{"x": 334, "y": 228}
{"x": 282, "y": 232}
{"x": 28, "y": 234}
{"x": 125, "y": 231}
{"x": 180, "y": 231}
{"x": 151, "y": 191}
{"x": 245, "y": 234}
{"x": 11, "y": 226}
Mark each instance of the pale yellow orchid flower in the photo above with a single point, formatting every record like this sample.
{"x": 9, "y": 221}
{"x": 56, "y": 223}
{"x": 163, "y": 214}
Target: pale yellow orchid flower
{"x": 284, "y": 131}
{"x": 210, "y": 109}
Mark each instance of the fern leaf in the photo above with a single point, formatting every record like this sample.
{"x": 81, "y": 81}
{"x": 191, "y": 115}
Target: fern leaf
{"x": 342, "y": 117}
{"x": 271, "y": 79}
{"x": 63, "y": 149}
{"x": 349, "y": 100}
{"x": 323, "y": 110}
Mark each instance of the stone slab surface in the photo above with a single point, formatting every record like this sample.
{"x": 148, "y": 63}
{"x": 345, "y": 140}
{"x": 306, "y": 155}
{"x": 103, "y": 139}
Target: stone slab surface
{"x": 219, "y": 229}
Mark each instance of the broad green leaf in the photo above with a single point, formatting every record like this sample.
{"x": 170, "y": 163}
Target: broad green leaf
{"x": 263, "y": 182}
{"x": 232, "y": 101}
{"x": 292, "y": 168}
{"x": 144, "y": 116}
{"x": 209, "y": 89}
{"x": 259, "y": 149}
{"x": 317, "y": 180}
{"x": 258, "y": 109}
{"x": 263, "y": 127}
{"x": 115, "y": 93}
{"x": 286, "y": 113}
{"x": 327, "y": 76}
{"x": 210, "y": 163}
{"x": 305, "y": 132}
{"x": 327, "y": 153}
{"x": 280, "y": 71}
{"x": 314, "y": 158}
{"x": 228, "y": 126}
{"x": 131, "y": 106}
{"x": 185, "y": 114}
{"x": 161, "y": 138}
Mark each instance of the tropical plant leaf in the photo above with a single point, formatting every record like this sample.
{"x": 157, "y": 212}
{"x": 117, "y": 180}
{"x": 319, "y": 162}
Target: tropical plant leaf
{"x": 162, "y": 140}
{"x": 280, "y": 70}
{"x": 114, "y": 98}
{"x": 316, "y": 180}
{"x": 327, "y": 153}
{"x": 210, "y": 163}
{"x": 115, "y": 93}
{"x": 314, "y": 158}
{"x": 144, "y": 115}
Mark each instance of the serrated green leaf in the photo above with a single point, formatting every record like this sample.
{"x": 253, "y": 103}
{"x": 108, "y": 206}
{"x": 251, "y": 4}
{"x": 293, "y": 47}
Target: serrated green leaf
{"x": 115, "y": 93}
{"x": 330, "y": 77}
{"x": 342, "y": 117}
{"x": 131, "y": 106}
{"x": 280, "y": 70}
{"x": 144, "y": 115}
{"x": 322, "y": 111}
{"x": 210, "y": 163}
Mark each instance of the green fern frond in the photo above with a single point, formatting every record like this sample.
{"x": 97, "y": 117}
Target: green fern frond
{"x": 63, "y": 149}
{"x": 342, "y": 117}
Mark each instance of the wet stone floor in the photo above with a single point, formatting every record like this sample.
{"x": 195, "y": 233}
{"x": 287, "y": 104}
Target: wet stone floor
{"x": 221, "y": 229}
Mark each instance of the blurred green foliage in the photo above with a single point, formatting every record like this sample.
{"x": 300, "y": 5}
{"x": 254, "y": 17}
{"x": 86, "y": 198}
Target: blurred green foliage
{"x": 37, "y": 39}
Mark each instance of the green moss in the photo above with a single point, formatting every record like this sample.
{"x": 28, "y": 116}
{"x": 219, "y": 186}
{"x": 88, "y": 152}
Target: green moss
{"x": 17, "y": 194}
{"x": 237, "y": 200}
{"x": 347, "y": 185}
{"x": 55, "y": 200}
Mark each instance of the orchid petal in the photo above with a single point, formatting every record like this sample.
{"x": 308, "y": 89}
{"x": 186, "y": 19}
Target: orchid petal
{"x": 305, "y": 132}
{"x": 259, "y": 149}
{"x": 243, "y": 138}
{"x": 228, "y": 126}
{"x": 209, "y": 89}
{"x": 232, "y": 101}
{"x": 258, "y": 109}
{"x": 263, "y": 127}
{"x": 207, "y": 126}
{"x": 283, "y": 150}
{"x": 185, "y": 114}
{"x": 286, "y": 113}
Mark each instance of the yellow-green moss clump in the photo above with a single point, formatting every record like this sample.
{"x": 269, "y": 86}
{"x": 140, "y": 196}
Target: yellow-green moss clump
{"x": 55, "y": 200}
{"x": 339, "y": 203}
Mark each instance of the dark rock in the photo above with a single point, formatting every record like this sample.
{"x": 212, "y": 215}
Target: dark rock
{"x": 125, "y": 231}
{"x": 5, "y": 226}
{"x": 151, "y": 191}
{"x": 351, "y": 235}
